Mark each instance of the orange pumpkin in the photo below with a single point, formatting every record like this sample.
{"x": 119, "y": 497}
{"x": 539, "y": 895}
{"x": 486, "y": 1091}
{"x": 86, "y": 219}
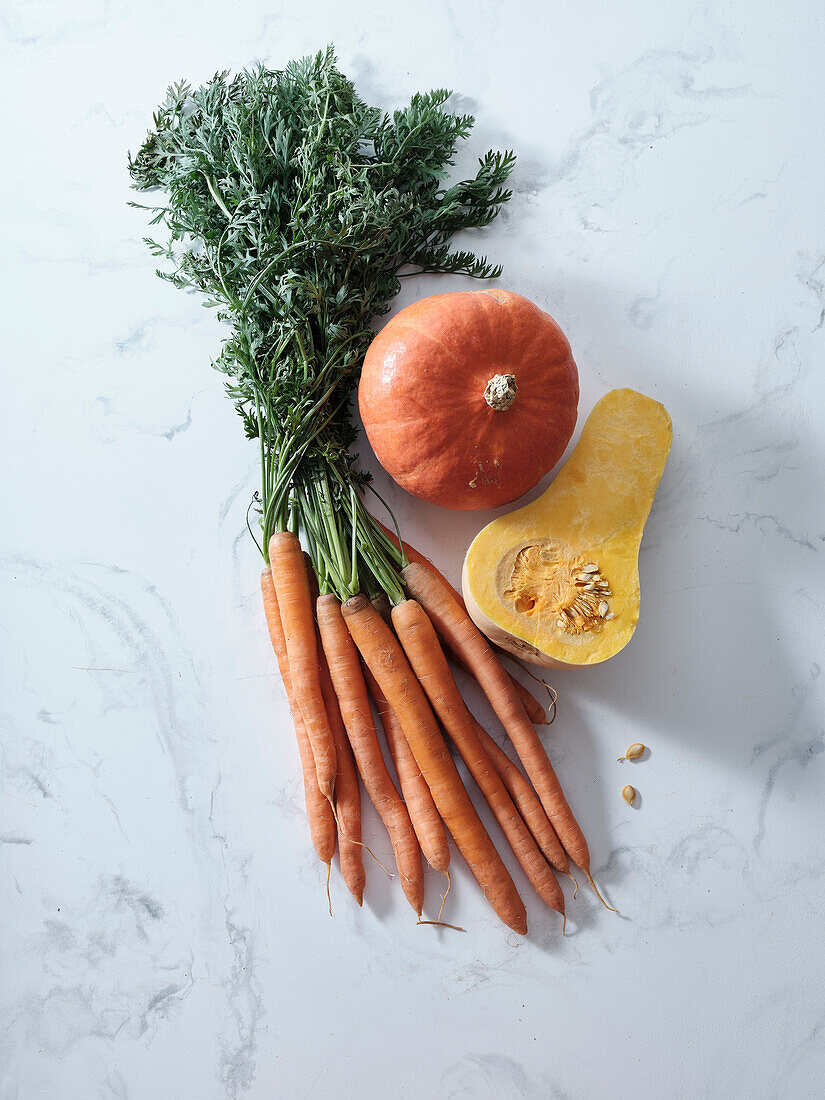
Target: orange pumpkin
{"x": 469, "y": 398}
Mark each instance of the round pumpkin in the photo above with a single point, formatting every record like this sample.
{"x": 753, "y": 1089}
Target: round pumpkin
{"x": 469, "y": 398}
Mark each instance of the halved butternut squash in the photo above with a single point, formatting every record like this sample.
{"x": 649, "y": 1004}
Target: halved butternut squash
{"x": 557, "y": 581}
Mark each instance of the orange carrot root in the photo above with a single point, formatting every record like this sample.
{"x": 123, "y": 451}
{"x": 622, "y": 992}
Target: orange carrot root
{"x": 462, "y": 635}
{"x": 429, "y": 828}
{"x": 423, "y": 649}
{"x": 319, "y": 813}
{"x": 348, "y": 680}
{"x": 383, "y": 655}
{"x": 347, "y": 807}
{"x": 295, "y": 604}
{"x": 533, "y": 707}
{"x": 527, "y": 802}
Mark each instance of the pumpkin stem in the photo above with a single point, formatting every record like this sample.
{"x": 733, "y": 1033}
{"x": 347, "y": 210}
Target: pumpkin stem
{"x": 501, "y": 391}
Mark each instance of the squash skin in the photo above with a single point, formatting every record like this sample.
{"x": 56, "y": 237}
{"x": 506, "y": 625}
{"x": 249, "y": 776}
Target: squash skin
{"x": 596, "y": 508}
{"x": 422, "y": 397}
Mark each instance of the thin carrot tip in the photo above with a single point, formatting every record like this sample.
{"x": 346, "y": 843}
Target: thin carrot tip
{"x": 329, "y": 896}
{"x": 444, "y": 898}
{"x": 442, "y": 924}
{"x": 598, "y": 895}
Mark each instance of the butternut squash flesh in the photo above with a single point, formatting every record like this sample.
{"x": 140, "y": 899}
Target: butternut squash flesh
{"x": 557, "y": 581}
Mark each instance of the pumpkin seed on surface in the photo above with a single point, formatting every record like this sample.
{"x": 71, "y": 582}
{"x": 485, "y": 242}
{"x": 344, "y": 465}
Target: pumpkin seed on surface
{"x": 629, "y": 794}
{"x": 634, "y": 752}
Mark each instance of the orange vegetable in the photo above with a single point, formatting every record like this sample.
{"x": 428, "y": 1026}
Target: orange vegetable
{"x": 454, "y": 624}
{"x": 319, "y": 812}
{"x": 534, "y": 709}
{"x": 556, "y": 582}
{"x": 429, "y": 828}
{"x": 348, "y": 681}
{"x": 527, "y": 802}
{"x": 385, "y": 658}
{"x": 469, "y": 398}
{"x": 420, "y": 641}
{"x": 347, "y": 787}
{"x": 295, "y": 604}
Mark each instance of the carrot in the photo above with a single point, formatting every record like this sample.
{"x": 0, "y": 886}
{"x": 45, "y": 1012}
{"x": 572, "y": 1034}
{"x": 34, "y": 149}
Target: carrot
{"x": 533, "y": 707}
{"x": 294, "y": 601}
{"x": 347, "y": 788}
{"x": 319, "y": 811}
{"x": 347, "y": 796}
{"x": 429, "y": 828}
{"x": 348, "y": 681}
{"x": 382, "y": 605}
{"x": 385, "y": 658}
{"x": 527, "y": 803}
{"x": 456, "y": 626}
{"x": 420, "y": 641}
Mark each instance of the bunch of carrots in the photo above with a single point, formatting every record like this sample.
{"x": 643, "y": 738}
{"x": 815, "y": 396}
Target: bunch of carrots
{"x": 335, "y": 658}
{"x": 295, "y": 209}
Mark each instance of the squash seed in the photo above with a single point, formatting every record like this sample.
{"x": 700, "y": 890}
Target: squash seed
{"x": 575, "y": 592}
{"x": 634, "y": 752}
{"x": 629, "y": 794}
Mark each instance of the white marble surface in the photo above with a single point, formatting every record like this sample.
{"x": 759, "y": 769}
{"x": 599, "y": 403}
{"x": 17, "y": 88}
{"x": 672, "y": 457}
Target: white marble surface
{"x": 163, "y": 929}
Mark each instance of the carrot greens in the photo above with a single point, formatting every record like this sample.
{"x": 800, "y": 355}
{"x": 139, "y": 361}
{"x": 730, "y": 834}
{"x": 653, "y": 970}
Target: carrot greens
{"x": 295, "y": 209}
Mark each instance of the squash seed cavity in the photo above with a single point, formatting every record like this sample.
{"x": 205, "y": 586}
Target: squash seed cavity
{"x": 548, "y": 585}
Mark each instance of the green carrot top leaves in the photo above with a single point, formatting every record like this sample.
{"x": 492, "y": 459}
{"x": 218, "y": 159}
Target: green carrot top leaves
{"x": 295, "y": 208}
